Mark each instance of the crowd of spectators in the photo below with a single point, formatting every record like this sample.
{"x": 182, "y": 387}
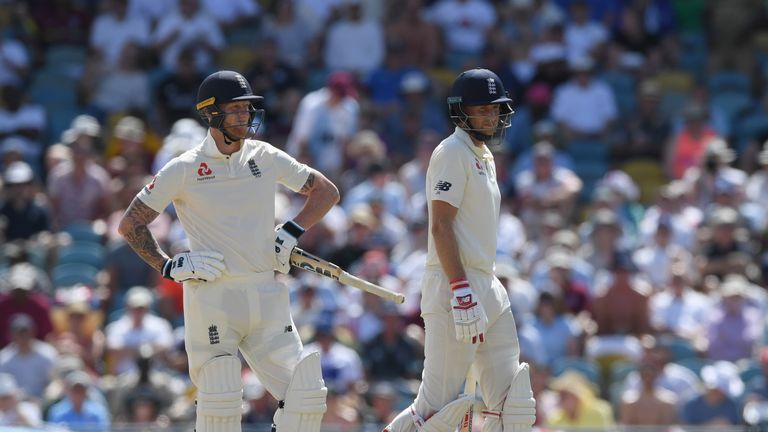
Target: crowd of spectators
{"x": 632, "y": 237}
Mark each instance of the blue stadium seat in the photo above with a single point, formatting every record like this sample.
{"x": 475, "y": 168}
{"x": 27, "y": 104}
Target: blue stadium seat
{"x": 732, "y": 103}
{"x": 82, "y": 232}
{"x": 679, "y": 348}
{"x": 751, "y": 127}
{"x": 86, "y": 252}
{"x": 729, "y": 81}
{"x": 694, "y": 364}
{"x": 66, "y": 275}
{"x": 749, "y": 370}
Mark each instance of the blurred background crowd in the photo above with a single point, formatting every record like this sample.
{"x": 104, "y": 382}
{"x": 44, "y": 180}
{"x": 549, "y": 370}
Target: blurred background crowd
{"x": 634, "y": 178}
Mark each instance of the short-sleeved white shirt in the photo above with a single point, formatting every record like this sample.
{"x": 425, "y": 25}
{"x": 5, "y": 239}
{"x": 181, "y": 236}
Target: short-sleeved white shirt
{"x": 464, "y": 176}
{"x": 227, "y": 203}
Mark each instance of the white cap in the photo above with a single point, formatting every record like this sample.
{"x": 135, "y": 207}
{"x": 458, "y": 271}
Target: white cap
{"x": 137, "y": 297}
{"x": 130, "y": 128}
{"x": 18, "y": 172}
{"x": 723, "y": 376}
{"x": 85, "y": 124}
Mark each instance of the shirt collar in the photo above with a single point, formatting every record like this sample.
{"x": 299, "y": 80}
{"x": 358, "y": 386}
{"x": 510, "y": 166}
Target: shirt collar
{"x": 481, "y": 152}
{"x": 210, "y": 149}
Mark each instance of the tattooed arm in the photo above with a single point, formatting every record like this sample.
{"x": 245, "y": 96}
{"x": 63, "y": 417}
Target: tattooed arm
{"x": 321, "y": 195}
{"x": 133, "y": 227}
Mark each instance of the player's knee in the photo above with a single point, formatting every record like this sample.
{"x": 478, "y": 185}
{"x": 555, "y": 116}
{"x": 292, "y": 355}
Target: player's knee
{"x": 219, "y": 395}
{"x": 303, "y": 407}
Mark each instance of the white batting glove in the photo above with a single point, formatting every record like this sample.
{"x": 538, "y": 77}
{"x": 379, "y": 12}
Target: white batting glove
{"x": 204, "y": 266}
{"x": 468, "y": 315}
{"x": 287, "y": 237}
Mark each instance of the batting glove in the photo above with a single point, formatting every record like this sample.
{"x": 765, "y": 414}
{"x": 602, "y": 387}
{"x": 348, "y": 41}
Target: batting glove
{"x": 468, "y": 315}
{"x": 204, "y": 266}
{"x": 287, "y": 237}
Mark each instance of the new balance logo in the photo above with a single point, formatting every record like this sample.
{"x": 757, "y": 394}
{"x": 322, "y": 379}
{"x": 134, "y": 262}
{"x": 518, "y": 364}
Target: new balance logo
{"x": 288, "y": 329}
{"x": 491, "y": 86}
{"x": 213, "y": 335}
{"x": 443, "y": 186}
{"x": 254, "y": 168}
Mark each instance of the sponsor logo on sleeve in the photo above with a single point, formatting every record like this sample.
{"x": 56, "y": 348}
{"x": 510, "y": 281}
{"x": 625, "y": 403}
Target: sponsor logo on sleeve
{"x": 442, "y": 186}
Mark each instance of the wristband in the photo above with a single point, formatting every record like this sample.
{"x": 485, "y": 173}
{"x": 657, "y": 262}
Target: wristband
{"x": 167, "y": 269}
{"x": 459, "y": 283}
{"x": 293, "y": 229}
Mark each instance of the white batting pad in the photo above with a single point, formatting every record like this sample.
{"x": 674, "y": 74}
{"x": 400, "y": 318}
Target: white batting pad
{"x": 304, "y": 403}
{"x": 220, "y": 395}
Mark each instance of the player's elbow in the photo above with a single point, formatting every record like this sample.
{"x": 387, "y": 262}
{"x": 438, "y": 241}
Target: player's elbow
{"x": 125, "y": 227}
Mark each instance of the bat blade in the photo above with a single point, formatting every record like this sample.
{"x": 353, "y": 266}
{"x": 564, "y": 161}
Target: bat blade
{"x": 470, "y": 387}
{"x": 306, "y": 261}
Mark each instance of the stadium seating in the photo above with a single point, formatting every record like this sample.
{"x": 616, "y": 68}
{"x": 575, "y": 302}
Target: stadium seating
{"x": 587, "y": 368}
{"x": 82, "y": 232}
{"x": 65, "y": 275}
{"x": 83, "y": 253}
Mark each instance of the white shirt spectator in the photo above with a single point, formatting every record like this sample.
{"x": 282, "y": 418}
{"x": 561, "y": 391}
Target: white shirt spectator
{"x": 584, "y": 109}
{"x": 292, "y": 38}
{"x": 228, "y": 11}
{"x": 315, "y": 12}
{"x": 655, "y": 261}
{"x": 13, "y": 55}
{"x": 464, "y": 23}
{"x": 192, "y": 31}
{"x": 341, "y": 365}
{"x": 580, "y": 39}
{"x": 677, "y": 379}
{"x": 28, "y": 116}
{"x": 122, "y": 334}
{"x": 150, "y": 10}
{"x": 31, "y": 370}
{"x": 757, "y": 188}
{"x": 122, "y": 90}
{"x": 685, "y": 315}
{"x": 110, "y": 34}
{"x": 356, "y": 46}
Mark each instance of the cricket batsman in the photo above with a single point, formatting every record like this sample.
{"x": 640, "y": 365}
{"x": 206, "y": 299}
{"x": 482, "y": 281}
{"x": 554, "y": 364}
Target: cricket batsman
{"x": 224, "y": 194}
{"x": 466, "y": 310}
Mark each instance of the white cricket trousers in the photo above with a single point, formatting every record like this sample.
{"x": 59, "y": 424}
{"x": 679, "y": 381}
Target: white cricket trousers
{"x": 251, "y": 314}
{"x": 446, "y": 361}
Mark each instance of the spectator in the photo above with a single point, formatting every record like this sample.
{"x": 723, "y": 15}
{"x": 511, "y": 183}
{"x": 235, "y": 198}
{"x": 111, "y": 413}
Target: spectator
{"x": 391, "y": 356}
{"x": 464, "y": 24}
{"x": 13, "y": 410}
{"x": 647, "y": 128}
{"x": 686, "y": 147}
{"x": 650, "y": 406}
{"x": 29, "y": 360}
{"x": 579, "y": 406}
{"x": 603, "y": 241}
{"x": 674, "y": 378}
{"x": 723, "y": 251}
{"x": 289, "y": 31}
{"x": 583, "y": 37}
{"x": 15, "y": 61}
{"x": 136, "y": 327}
{"x": 23, "y": 208}
{"x": 623, "y": 308}
{"x": 734, "y": 327}
{"x": 76, "y": 411}
{"x": 24, "y": 297}
{"x": 585, "y": 106}
{"x": 113, "y": 29}
{"x": 260, "y": 406}
{"x": 382, "y": 399}
{"x": 718, "y": 405}
{"x": 341, "y": 365}
{"x": 326, "y": 119}
{"x": 656, "y": 259}
{"x": 678, "y": 309}
{"x": 420, "y": 38}
{"x": 22, "y": 119}
{"x": 189, "y": 26}
{"x": 757, "y": 185}
{"x": 79, "y": 190}
{"x": 177, "y": 93}
{"x": 544, "y": 187}
{"x": 354, "y": 43}
{"x": 123, "y": 87}
{"x": 713, "y": 169}
{"x": 233, "y": 13}
{"x": 559, "y": 331}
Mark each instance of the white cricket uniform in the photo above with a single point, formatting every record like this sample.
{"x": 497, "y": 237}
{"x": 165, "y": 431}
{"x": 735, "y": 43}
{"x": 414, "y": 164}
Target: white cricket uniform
{"x": 227, "y": 204}
{"x": 464, "y": 176}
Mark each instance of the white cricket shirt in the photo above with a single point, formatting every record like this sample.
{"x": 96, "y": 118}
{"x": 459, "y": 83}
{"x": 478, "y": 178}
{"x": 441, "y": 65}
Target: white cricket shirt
{"x": 227, "y": 203}
{"x": 464, "y": 176}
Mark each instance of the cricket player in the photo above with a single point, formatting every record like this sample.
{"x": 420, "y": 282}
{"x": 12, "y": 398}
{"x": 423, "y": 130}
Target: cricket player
{"x": 224, "y": 193}
{"x": 466, "y": 310}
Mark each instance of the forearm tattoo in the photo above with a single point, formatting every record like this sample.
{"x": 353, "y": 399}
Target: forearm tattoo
{"x": 308, "y": 185}
{"x": 138, "y": 236}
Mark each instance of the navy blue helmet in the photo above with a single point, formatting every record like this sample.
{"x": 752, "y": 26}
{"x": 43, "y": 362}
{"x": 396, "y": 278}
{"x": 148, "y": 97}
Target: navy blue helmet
{"x": 223, "y": 87}
{"x": 479, "y": 87}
